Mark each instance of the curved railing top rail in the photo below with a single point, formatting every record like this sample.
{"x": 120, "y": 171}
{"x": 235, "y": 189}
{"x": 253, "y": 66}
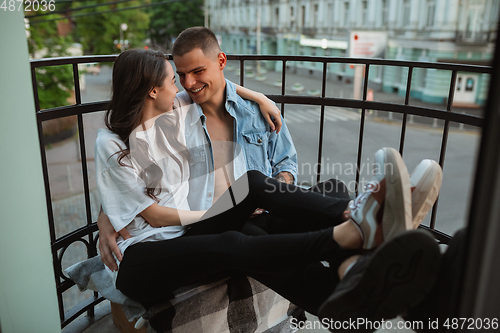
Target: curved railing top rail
{"x": 35, "y": 63}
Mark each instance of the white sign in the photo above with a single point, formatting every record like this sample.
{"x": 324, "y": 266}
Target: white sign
{"x": 324, "y": 43}
{"x": 367, "y": 44}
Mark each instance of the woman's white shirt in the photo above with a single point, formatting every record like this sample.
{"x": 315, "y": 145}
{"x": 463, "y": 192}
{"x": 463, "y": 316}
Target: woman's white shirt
{"x": 122, "y": 191}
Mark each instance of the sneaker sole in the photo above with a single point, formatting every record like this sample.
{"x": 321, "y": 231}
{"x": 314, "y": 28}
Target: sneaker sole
{"x": 427, "y": 186}
{"x": 398, "y": 194}
{"x": 398, "y": 276}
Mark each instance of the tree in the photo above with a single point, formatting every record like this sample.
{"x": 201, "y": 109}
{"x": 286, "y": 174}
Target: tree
{"x": 98, "y": 32}
{"x": 55, "y": 82}
{"x": 168, "y": 20}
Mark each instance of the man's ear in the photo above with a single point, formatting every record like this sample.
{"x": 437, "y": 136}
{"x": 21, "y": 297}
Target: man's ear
{"x": 222, "y": 60}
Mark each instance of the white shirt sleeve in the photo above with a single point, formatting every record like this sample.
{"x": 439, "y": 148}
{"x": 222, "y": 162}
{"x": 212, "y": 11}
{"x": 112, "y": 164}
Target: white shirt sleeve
{"x": 121, "y": 189}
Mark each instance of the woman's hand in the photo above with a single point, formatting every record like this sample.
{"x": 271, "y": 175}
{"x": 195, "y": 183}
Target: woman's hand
{"x": 267, "y": 107}
{"x": 271, "y": 113}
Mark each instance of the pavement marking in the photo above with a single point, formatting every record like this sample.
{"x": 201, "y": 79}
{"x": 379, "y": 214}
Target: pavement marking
{"x": 346, "y": 113}
{"x": 312, "y": 115}
{"x": 327, "y": 116}
{"x": 298, "y": 117}
{"x": 335, "y": 115}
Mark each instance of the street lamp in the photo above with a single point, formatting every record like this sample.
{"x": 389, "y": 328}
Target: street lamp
{"x": 123, "y": 27}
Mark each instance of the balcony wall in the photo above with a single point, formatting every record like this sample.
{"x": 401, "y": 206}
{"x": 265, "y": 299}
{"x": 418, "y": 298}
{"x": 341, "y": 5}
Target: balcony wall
{"x": 28, "y": 301}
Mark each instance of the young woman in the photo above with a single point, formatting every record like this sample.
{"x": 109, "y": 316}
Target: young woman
{"x": 142, "y": 177}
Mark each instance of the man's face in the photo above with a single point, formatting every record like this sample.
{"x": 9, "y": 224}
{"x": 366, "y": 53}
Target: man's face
{"x": 202, "y": 75}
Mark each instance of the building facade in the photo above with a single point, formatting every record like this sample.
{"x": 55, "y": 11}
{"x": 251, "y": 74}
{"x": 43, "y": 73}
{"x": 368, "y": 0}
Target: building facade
{"x": 461, "y": 31}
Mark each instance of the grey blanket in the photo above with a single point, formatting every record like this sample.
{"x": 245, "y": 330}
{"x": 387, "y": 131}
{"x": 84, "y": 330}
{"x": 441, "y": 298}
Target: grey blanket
{"x": 236, "y": 304}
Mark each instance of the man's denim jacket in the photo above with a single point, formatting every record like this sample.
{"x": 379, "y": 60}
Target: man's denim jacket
{"x": 257, "y": 147}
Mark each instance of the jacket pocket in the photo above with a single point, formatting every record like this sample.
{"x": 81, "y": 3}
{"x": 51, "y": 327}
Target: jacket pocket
{"x": 256, "y": 146}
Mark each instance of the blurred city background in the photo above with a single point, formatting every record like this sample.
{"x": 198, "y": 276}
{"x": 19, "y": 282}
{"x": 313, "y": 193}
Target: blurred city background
{"x": 439, "y": 31}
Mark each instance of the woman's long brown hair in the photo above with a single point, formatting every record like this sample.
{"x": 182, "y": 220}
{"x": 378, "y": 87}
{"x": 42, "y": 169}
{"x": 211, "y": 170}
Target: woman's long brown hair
{"x": 135, "y": 74}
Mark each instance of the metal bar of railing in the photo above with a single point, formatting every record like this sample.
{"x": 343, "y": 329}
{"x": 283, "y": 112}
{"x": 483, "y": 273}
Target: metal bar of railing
{"x": 382, "y": 106}
{"x": 343, "y": 60}
{"x": 363, "y": 61}
{"x": 67, "y": 239}
{"x": 405, "y": 115}
{"x": 70, "y": 110}
{"x": 444, "y": 141}
{"x": 35, "y": 88}
{"x": 76, "y": 80}
{"x": 468, "y": 119}
{"x": 321, "y": 123}
{"x": 48, "y": 198}
{"x": 242, "y": 72}
{"x": 361, "y": 128}
{"x": 91, "y": 248}
{"x": 77, "y": 310}
{"x": 283, "y": 77}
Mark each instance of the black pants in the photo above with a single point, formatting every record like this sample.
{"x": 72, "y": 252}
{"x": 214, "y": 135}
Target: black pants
{"x": 296, "y": 209}
{"x": 268, "y": 223}
{"x": 151, "y": 271}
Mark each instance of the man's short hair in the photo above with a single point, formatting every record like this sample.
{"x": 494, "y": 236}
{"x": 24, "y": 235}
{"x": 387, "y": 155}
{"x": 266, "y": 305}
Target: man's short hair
{"x": 196, "y": 37}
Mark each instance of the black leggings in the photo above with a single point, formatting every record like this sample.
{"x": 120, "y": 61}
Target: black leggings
{"x": 151, "y": 271}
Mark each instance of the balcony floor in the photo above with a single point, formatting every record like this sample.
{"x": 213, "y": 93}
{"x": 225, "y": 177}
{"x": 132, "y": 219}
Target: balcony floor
{"x": 104, "y": 324}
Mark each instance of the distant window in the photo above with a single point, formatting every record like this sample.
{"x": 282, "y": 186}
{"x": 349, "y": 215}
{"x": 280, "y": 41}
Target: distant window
{"x": 364, "y": 13}
{"x": 385, "y": 12}
{"x": 406, "y": 13}
{"x": 303, "y": 19}
{"x": 459, "y": 84}
{"x": 346, "y": 14}
{"x": 315, "y": 16}
{"x": 469, "y": 84}
{"x": 431, "y": 9}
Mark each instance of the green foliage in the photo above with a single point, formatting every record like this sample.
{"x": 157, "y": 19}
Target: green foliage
{"x": 55, "y": 82}
{"x": 97, "y": 33}
{"x": 54, "y": 85}
{"x": 168, "y": 20}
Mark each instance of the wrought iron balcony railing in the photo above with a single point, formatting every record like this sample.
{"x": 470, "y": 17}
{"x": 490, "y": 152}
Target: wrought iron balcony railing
{"x": 88, "y": 233}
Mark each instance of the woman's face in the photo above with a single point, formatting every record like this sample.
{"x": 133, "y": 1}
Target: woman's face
{"x": 166, "y": 93}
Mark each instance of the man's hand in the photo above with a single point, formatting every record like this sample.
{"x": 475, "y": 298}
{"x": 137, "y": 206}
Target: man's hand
{"x": 284, "y": 177}
{"x": 107, "y": 241}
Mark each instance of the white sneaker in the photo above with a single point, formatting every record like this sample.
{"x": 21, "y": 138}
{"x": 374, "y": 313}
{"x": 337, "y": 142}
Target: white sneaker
{"x": 384, "y": 210}
{"x": 425, "y": 181}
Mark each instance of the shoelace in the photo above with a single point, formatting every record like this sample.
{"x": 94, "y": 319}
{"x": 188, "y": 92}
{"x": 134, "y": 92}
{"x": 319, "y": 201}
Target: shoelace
{"x": 368, "y": 188}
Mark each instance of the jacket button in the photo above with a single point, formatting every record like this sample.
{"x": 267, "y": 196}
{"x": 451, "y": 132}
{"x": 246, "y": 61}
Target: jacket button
{"x": 260, "y": 140}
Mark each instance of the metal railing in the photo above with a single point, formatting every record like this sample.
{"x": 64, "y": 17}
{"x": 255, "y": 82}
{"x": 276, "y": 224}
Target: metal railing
{"x": 85, "y": 234}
